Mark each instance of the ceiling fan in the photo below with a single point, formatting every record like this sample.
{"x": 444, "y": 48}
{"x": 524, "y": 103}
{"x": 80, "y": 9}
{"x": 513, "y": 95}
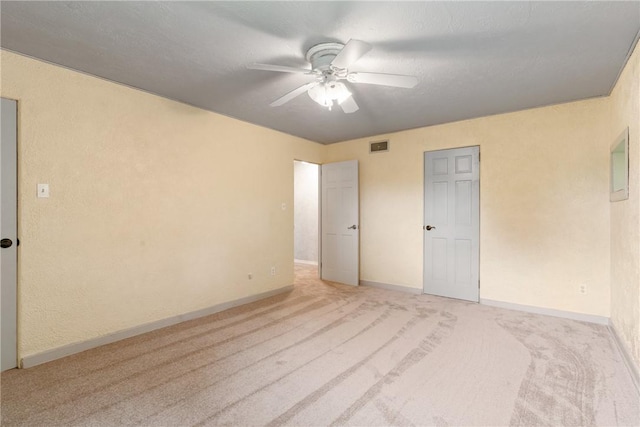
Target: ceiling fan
{"x": 330, "y": 64}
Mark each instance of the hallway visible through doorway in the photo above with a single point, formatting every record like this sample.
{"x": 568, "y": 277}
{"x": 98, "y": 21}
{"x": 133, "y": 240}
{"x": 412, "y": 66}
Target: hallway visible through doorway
{"x": 306, "y": 212}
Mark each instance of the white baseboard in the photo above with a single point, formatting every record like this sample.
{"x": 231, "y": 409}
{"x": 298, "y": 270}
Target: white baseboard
{"x": 626, "y": 356}
{"x": 391, "y": 287}
{"x": 591, "y": 318}
{"x": 69, "y": 349}
{"x": 304, "y": 261}
{"x": 631, "y": 365}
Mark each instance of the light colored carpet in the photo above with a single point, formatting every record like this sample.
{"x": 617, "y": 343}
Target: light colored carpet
{"x": 328, "y": 354}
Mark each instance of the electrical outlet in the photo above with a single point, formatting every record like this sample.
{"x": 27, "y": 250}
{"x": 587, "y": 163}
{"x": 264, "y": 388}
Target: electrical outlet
{"x": 273, "y": 271}
{"x": 583, "y": 289}
{"x": 250, "y": 276}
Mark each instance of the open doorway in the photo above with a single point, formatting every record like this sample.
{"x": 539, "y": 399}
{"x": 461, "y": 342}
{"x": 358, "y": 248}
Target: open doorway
{"x": 306, "y": 216}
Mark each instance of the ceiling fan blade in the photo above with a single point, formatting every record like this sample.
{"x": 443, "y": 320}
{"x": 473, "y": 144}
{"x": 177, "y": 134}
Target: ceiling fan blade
{"x": 289, "y": 96}
{"x": 280, "y": 68}
{"x": 350, "y": 53}
{"x": 395, "y": 80}
{"x": 349, "y": 105}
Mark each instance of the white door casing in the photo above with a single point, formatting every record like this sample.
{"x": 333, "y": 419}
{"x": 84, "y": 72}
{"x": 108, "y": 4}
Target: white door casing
{"x": 8, "y": 230}
{"x": 340, "y": 261}
{"x": 452, "y": 223}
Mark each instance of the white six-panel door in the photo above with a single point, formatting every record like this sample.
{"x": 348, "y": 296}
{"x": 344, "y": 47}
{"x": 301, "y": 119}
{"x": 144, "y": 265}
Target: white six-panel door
{"x": 340, "y": 225}
{"x": 8, "y": 234}
{"x": 452, "y": 223}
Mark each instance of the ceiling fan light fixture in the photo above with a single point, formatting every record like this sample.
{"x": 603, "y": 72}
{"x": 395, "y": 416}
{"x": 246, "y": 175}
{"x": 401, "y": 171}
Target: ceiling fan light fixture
{"x": 340, "y": 92}
{"x": 326, "y": 93}
{"x": 320, "y": 95}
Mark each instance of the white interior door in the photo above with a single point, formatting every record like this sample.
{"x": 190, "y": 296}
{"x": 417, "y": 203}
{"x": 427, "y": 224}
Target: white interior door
{"x": 8, "y": 234}
{"x": 452, "y": 223}
{"x": 340, "y": 227}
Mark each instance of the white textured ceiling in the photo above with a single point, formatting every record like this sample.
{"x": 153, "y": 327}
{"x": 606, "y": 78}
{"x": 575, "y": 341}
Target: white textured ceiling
{"x": 471, "y": 58}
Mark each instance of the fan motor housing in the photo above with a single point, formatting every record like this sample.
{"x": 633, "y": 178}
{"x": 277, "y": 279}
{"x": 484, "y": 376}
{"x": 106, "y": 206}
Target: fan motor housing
{"x": 321, "y": 55}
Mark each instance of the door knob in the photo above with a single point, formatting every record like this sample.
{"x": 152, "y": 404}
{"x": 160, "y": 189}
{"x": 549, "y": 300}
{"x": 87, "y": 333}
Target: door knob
{"x": 429, "y": 228}
{"x": 6, "y": 243}
{"x": 353, "y": 227}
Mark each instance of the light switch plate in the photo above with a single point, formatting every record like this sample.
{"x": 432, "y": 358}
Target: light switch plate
{"x": 43, "y": 190}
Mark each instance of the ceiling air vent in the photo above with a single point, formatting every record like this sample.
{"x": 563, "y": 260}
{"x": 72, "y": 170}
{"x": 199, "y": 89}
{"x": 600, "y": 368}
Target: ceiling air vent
{"x": 378, "y": 146}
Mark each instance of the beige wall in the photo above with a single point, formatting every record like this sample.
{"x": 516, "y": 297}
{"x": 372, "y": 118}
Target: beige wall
{"x": 544, "y": 204}
{"x": 156, "y": 208}
{"x": 625, "y": 215}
